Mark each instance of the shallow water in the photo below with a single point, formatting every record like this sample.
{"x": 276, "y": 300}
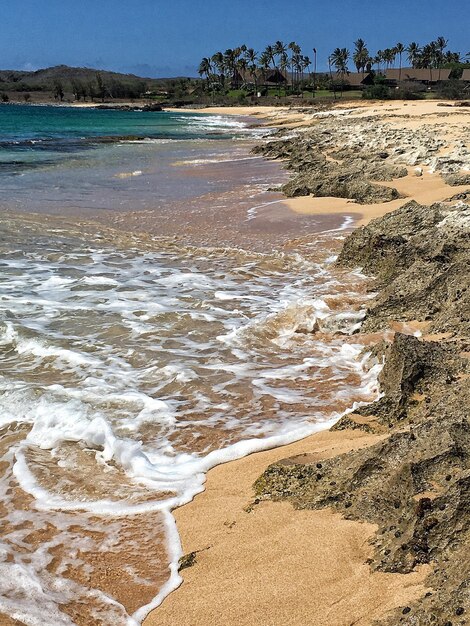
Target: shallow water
{"x": 131, "y": 364}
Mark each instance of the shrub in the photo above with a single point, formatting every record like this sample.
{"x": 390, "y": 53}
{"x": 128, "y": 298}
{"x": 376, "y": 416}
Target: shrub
{"x": 377, "y": 92}
{"x": 405, "y": 93}
{"x": 453, "y": 90}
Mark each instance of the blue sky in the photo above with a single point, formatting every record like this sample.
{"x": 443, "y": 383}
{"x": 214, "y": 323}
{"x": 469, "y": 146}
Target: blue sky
{"x": 169, "y": 37}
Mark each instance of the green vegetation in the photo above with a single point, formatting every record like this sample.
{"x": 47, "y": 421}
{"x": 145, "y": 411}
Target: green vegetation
{"x": 63, "y": 83}
{"x": 283, "y": 72}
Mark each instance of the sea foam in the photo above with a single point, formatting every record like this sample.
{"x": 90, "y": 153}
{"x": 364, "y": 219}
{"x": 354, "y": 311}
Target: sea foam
{"x": 151, "y": 368}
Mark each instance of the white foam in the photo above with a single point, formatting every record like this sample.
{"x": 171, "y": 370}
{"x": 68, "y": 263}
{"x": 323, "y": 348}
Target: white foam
{"x": 123, "y": 354}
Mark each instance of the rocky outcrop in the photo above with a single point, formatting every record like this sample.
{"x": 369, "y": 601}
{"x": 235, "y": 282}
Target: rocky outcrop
{"x": 458, "y": 179}
{"x": 341, "y": 176}
{"x": 346, "y": 157}
{"x": 414, "y": 483}
{"x": 421, "y": 259}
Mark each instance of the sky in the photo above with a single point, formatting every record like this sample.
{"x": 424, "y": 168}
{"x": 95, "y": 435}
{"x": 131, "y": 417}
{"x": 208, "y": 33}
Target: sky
{"x": 161, "y": 38}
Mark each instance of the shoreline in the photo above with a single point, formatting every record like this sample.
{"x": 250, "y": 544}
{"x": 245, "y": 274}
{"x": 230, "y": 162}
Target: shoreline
{"x": 426, "y": 188}
{"x": 257, "y": 540}
{"x": 248, "y": 569}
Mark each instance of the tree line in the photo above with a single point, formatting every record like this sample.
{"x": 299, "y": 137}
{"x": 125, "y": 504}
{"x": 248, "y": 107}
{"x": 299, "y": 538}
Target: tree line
{"x": 236, "y": 64}
{"x": 244, "y": 65}
{"x": 432, "y": 55}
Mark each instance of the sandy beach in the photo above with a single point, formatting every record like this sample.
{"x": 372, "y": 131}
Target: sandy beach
{"x": 269, "y": 563}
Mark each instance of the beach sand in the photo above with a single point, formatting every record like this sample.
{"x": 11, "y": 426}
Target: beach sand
{"x": 277, "y": 565}
{"x": 427, "y": 189}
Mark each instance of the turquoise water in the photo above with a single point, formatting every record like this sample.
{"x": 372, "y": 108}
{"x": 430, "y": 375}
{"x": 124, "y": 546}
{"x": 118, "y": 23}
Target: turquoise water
{"x": 59, "y": 125}
{"x": 57, "y": 159}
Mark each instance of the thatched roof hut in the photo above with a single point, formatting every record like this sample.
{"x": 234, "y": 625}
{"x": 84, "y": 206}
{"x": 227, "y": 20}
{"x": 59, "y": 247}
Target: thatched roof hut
{"x": 410, "y": 74}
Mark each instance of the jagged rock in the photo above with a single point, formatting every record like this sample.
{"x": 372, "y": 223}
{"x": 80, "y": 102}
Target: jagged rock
{"x": 339, "y": 186}
{"x": 420, "y": 257}
{"x": 458, "y": 179}
{"x": 321, "y": 177}
{"x": 415, "y": 483}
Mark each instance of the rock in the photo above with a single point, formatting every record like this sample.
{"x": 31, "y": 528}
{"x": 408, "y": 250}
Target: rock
{"x": 187, "y": 560}
{"x": 414, "y": 483}
{"x": 418, "y": 171}
{"x": 457, "y": 179}
{"x": 152, "y": 107}
{"x": 339, "y": 186}
{"x": 420, "y": 257}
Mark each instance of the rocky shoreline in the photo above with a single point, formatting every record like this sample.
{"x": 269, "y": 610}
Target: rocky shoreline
{"x": 381, "y": 530}
{"x": 348, "y": 156}
{"x": 415, "y": 482}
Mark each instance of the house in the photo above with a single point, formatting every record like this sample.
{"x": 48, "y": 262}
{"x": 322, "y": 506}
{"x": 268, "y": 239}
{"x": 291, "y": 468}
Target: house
{"x": 352, "y": 80}
{"x": 272, "y": 77}
{"x": 466, "y": 76}
{"x": 412, "y": 75}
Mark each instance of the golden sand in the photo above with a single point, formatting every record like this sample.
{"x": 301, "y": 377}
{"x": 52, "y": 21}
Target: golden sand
{"x": 275, "y": 565}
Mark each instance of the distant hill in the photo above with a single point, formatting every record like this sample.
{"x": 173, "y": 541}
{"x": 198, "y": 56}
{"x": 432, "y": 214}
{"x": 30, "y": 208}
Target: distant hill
{"x": 80, "y": 83}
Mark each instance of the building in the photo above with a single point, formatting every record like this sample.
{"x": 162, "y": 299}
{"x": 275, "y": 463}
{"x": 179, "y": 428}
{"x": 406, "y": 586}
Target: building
{"x": 272, "y": 77}
{"x": 466, "y": 76}
{"x": 412, "y": 75}
{"x": 352, "y": 80}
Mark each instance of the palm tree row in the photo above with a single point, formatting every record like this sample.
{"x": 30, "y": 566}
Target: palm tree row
{"x": 237, "y": 64}
{"x": 430, "y": 56}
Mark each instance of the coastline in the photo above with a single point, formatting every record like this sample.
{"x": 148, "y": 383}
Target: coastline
{"x": 266, "y": 548}
{"x": 426, "y": 188}
{"x": 251, "y": 567}
{"x": 267, "y": 563}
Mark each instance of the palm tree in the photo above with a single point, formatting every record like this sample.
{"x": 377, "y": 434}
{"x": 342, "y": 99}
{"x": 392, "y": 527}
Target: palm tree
{"x": 230, "y": 57}
{"x": 379, "y": 58}
{"x": 251, "y": 58}
{"x": 305, "y": 64}
{"x": 297, "y": 68}
{"x": 205, "y": 68}
{"x": 389, "y": 56}
{"x": 441, "y": 44}
{"x": 414, "y": 53}
{"x": 399, "y": 49}
{"x": 429, "y": 57}
{"x": 453, "y": 57}
{"x": 295, "y": 52}
{"x": 241, "y": 67}
{"x": 360, "y": 55}
{"x": 265, "y": 61}
{"x": 339, "y": 58}
{"x": 219, "y": 62}
{"x": 280, "y": 50}
{"x": 270, "y": 53}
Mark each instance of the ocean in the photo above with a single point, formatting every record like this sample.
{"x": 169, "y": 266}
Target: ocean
{"x": 156, "y": 319}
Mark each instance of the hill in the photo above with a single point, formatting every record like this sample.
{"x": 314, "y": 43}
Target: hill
{"x": 62, "y": 82}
